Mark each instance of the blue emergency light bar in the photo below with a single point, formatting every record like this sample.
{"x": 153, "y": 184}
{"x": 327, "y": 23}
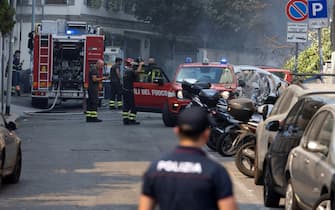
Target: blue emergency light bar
{"x": 188, "y": 60}
{"x": 223, "y": 61}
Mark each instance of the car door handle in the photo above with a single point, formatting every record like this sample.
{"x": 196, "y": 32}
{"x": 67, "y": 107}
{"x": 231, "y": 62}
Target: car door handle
{"x": 307, "y": 161}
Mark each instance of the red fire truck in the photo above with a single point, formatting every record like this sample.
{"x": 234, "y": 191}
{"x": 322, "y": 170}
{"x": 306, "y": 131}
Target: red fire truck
{"x": 64, "y": 52}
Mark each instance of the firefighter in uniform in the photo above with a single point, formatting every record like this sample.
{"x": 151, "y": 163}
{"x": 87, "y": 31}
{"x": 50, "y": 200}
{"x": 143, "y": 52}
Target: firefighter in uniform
{"x": 116, "y": 89}
{"x": 130, "y": 73}
{"x": 186, "y": 179}
{"x": 93, "y": 93}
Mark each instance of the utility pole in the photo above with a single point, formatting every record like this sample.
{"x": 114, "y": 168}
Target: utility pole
{"x": 10, "y": 64}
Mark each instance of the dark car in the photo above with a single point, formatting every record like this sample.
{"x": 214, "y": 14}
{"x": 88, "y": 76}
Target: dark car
{"x": 290, "y": 131}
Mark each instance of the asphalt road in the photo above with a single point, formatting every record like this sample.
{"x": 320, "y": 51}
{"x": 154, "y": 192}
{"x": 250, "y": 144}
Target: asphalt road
{"x": 69, "y": 164}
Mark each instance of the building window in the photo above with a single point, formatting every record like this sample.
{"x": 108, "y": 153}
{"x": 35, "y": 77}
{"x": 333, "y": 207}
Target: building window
{"x": 93, "y": 3}
{"x": 113, "y": 5}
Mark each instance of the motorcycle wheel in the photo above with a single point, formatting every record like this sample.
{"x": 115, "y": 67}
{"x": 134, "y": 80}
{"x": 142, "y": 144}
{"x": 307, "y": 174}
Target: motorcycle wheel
{"x": 224, "y": 144}
{"x": 245, "y": 159}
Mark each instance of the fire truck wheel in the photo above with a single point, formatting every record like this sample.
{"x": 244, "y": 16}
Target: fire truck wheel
{"x": 41, "y": 103}
{"x": 168, "y": 119}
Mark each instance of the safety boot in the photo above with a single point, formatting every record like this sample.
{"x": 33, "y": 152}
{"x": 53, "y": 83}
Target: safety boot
{"x": 134, "y": 122}
{"x": 126, "y": 121}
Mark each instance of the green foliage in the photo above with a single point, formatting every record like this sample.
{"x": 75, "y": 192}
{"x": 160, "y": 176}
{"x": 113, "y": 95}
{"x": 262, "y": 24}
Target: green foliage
{"x": 308, "y": 59}
{"x": 234, "y": 13}
{"x": 6, "y": 17}
{"x": 170, "y": 16}
{"x": 188, "y": 16}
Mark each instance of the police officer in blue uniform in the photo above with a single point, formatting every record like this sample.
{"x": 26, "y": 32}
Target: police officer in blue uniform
{"x": 186, "y": 179}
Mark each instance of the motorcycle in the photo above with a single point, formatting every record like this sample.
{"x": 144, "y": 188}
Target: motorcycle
{"x": 241, "y": 111}
{"x": 245, "y": 156}
{"x": 216, "y": 106}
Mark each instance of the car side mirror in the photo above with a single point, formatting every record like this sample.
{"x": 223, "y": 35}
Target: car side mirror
{"x": 314, "y": 146}
{"x": 241, "y": 83}
{"x": 159, "y": 81}
{"x": 273, "y": 126}
{"x": 11, "y": 126}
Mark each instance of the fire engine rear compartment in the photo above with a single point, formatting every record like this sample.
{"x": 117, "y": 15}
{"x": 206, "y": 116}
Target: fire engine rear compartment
{"x": 68, "y": 66}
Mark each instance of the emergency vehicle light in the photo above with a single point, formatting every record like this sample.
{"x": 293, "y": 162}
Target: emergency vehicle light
{"x": 223, "y": 61}
{"x": 188, "y": 60}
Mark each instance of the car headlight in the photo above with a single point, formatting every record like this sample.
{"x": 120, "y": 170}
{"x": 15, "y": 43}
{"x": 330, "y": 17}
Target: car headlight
{"x": 180, "y": 94}
{"x": 225, "y": 94}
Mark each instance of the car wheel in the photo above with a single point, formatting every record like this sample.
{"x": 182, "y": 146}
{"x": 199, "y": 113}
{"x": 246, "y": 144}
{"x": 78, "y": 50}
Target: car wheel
{"x": 258, "y": 174}
{"x": 168, "y": 120}
{"x": 245, "y": 159}
{"x": 323, "y": 203}
{"x": 271, "y": 198}
{"x": 291, "y": 202}
{"x": 14, "y": 177}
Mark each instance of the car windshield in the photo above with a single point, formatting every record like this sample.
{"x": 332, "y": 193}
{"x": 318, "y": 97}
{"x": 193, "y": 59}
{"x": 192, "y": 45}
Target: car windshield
{"x": 279, "y": 74}
{"x": 209, "y": 74}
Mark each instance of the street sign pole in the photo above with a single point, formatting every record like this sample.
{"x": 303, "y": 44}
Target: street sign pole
{"x": 320, "y": 49}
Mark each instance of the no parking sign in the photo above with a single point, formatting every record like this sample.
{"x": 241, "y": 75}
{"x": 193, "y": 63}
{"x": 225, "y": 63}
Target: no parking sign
{"x": 297, "y": 10}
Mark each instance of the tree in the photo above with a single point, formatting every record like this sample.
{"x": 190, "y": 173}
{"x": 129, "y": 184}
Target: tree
{"x": 309, "y": 59}
{"x": 170, "y": 16}
{"x": 188, "y": 16}
{"x": 6, "y": 18}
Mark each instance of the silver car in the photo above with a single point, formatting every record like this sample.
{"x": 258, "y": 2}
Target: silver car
{"x": 311, "y": 165}
{"x": 10, "y": 153}
{"x": 279, "y": 111}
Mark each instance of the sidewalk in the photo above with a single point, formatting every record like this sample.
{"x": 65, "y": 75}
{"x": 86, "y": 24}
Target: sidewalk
{"x": 18, "y": 111}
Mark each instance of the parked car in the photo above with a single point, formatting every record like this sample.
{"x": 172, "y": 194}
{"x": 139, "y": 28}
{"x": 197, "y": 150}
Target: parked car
{"x": 279, "y": 112}
{"x": 311, "y": 165}
{"x": 259, "y": 83}
{"x": 289, "y": 133}
{"x": 10, "y": 153}
{"x": 284, "y": 74}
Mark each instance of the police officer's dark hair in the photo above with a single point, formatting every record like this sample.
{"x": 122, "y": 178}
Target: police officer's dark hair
{"x": 17, "y": 51}
{"x": 192, "y": 122}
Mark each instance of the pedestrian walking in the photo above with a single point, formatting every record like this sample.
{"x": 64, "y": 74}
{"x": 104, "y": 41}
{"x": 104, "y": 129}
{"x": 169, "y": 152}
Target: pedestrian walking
{"x": 116, "y": 89}
{"x": 186, "y": 179}
{"x": 130, "y": 73}
{"x": 93, "y": 92}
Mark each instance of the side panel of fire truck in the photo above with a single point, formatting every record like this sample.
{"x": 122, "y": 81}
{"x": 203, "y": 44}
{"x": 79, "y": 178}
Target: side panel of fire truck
{"x": 94, "y": 52}
{"x": 41, "y": 70}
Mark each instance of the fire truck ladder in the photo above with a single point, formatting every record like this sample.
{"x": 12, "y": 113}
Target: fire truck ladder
{"x": 44, "y": 59}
